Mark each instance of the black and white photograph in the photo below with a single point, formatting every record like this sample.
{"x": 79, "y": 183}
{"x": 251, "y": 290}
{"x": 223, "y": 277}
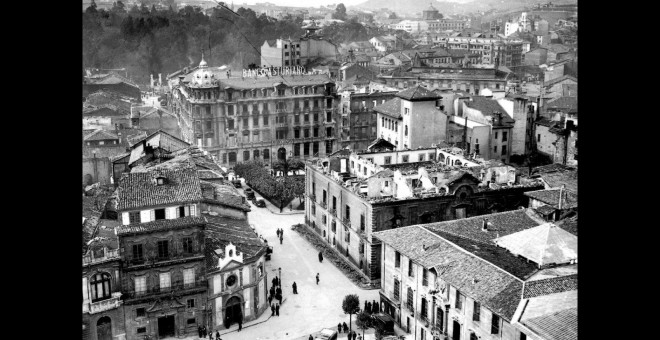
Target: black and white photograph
{"x": 329, "y": 170}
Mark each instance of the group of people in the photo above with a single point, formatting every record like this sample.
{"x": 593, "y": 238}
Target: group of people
{"x": 201, "y": 331}
{"x": 275, "y": 296}
{"x": 351, "y": 334}
{"x": 371, "y": 307}
{"x": 280, "y": 234}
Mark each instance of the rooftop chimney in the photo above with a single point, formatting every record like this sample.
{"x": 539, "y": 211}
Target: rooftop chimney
{"x": 484, "y": 227}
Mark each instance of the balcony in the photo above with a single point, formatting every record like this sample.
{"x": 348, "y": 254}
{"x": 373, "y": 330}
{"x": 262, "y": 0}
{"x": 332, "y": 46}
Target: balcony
{"x": 107, "y": 255}
{"x": 176, "y": 289}
{"x": 105, "y": 305}
{"x": 333, "y": 212}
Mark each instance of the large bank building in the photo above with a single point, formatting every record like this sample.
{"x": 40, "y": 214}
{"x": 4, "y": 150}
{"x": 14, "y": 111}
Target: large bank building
{"x": 237, "y": 118}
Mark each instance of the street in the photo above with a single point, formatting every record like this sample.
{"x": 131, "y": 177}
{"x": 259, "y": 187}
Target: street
{"x": 315, "y": 306}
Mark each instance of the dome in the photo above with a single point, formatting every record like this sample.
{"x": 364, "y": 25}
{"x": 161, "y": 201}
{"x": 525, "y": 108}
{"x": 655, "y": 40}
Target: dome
{"x": 203, "y": 64}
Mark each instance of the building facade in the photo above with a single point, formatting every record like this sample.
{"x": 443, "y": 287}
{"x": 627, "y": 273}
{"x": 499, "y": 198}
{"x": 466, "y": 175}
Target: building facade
{"x": 411, "y": 119}
{"x": 261, "y": 117}
{"x": 162, "y": 237}
{"x": 493, "y": 49}
{"x": 358, "y": 118}
{"x": 351, "y": 195}
{"x": 468, "y": 80}
{"x": 297, "y": 52}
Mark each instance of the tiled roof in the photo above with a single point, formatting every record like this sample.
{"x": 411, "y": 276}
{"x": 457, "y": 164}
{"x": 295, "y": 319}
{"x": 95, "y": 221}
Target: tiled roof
{"x": 224, "y": 194}
{"x": 209, "y": 174}
{"x": 559, "y": 178}
{"x": 543, "y": 121}
{"x": 545, "y": 210}
{"x": 551, "y": 82}
{"x": 139, "y": 190}
{"x": 499, "y": 224}
{"x": 552, "y": 316}
{"x": 104, "y": 110}
{"x": 569, "y": 224}
{"x": 418, "y": 93}
{"x": 100, "y": 135}
{"x": 550, "y": 286}
{"x": 390, "y": 108}
{"x": 161, "y": 225}
{"x": 551, "y": 197}
{"x": 563, "y": 102}
{"x": 220, "y": 231}
{"x": 545, "y": 244}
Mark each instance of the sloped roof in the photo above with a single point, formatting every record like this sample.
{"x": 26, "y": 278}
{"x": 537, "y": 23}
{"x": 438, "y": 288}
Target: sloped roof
{"x": 381, "y": 143}
{"x": 100, "y": 135}
{"x": 223, "y": 194}
{"x": 564, "y": 102}
{"x": 553, "y": 316}
{"x": 551, "y": 197}
{"x": 390, "y": 108}
{"x": 487, "y": 107}
{"x": 418, "y": 93}
{"x": 161, "y": 225}
{"x": 545, "y": 244}
{"x": 550, "y": 286}
{"x": 220, "y": 231}
{"x": 569, "y": 224}
{"x": 139, "y": 190}
{"x": 552, "y": 82}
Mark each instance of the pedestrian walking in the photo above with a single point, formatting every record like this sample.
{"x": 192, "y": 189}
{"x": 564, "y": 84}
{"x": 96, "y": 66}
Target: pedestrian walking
{"x": 278, "y": 290}
{"x": 295, "y": 287}
{"x": 281, "y": 232}
{"x": 366, "y": 310}
{"x": 277, "y": 231}
{"x": 199, "y": 332}
{"x": 211, "y": 335}
{"x": 321, "y": 256}
{"x": 277, "y": 309}
{"x": 272, "y": 309}
{"x": 310, "y": 337}
{"x": 217, "y": 335}
{"x": 240, "y": 324}
{"x": 339, "y": 327}
{"x": 345, "y": 328}
{"x": 272, "y": 290}
{"x": 281, "y": 238}
{"x": 204, "y": 332}
{"x": 369, "y": 306}
{"x": 275, "y": 281}
{"x": 317, "y": 278}
{"x": 354, "y": 335}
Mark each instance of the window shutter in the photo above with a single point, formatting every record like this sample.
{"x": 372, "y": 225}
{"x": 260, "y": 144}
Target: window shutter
{"x": 170, "y": 213}
{"x": 152, "y": 215}
{"x": 125, "y": 220}
{"x": 193, "y": 210}
{"x": 145, "y": 216}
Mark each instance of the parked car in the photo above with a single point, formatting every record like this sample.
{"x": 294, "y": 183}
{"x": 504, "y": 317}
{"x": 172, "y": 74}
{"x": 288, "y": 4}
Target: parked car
{"x": 236, "y": 183}
{"x": 327, "y": 334}
{"x": 259, "y": 202}
{"x": 249, "y": 193}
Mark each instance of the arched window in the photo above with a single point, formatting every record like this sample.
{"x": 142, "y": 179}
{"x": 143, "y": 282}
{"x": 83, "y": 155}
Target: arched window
{"x": 100, "y": 287}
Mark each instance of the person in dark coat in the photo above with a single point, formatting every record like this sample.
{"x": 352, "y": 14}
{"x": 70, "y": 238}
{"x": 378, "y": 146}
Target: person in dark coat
{"x": 211, "y": 335}
{"x": 366, "y": 310}
{"x": 277, "y": 309}
{"x": 199, "y": 332}
{"x": 295, "y": 287}
{"x": 217, "y": 335}
{"x": 369, "y": 306}
{"x": 203, "y": 331}
{"x": 277, "y": 231}
{"x": 317, "y": 278}
{"x": 375, "y": 307}
{"x": 278, "y": 297}
{"x": 345, "y": 328}
{"x": 272, "y": 309}
{"x": 354, "y": 335}
{"x": 275, "y": 281}
{"x": 272, "y": 290}
{"x": 240, "y": 323}
{"x": 281, "y": 238}
{"x": 311, "y": 337}
{"x": 321, "y": 256}
{"x": 339, "y": 327}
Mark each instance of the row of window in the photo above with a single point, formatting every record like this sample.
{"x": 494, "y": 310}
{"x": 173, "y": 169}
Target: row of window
{"x": 160, "y": 214}
{"x": 164, "y": 280}
{"x": 187, "y": 247}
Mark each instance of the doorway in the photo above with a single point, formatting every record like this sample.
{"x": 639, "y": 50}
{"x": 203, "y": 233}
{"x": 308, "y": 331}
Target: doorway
{"x": 456, "y": 335}
{"x": 233, "y": 312}
{"x": 281, "y": 154}
{"x": 166, "y": 326}
{"x": 104, "y": 328}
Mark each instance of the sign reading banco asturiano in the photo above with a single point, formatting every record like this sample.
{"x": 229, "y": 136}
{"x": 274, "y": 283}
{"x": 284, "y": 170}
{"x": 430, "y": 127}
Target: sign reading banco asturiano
{"x": 275, "y": 71}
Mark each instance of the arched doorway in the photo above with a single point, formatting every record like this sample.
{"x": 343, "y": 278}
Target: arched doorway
{"x": 104, "y": 328}
{"x": 281, "y": 154}
{"x": 233, "y": 311}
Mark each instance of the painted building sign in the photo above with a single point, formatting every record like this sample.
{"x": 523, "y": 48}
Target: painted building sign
{"x": 275, "y": 71}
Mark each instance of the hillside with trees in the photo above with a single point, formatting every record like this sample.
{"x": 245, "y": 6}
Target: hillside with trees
{"x": 147, "y": 41}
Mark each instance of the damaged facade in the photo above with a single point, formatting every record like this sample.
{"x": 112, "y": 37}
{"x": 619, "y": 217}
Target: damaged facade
{"x": 351, "y": 195}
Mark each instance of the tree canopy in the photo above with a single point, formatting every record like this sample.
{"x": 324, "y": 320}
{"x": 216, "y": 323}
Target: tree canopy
{"x": 340, "y": 12}
{"x": 351, "y": 305}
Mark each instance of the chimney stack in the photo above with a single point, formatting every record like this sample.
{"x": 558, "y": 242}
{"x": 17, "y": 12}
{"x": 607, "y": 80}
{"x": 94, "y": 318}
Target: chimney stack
{"x": 485, "y": 225}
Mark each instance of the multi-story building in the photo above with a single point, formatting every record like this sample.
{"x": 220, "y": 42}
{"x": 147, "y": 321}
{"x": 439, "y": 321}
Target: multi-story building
{"x": 493, "y": 49}
{"x": 351, "y": 195}
{"x": 298, "y": 52}
{"x": 412, "y": 26}
{"x": 358, "y": 118}
{"x": 484, "y": 125}
{"x": 162, "y": 242}
{"x": 523, "y": 113}
{"x": 103, "y": 311}
{"x": 411, "y": 119}
{"x": 258, "y": 117}
{"x": 447, "y": 24}
{"x": 471, "y": 80}
{"x": 481, "y": 278}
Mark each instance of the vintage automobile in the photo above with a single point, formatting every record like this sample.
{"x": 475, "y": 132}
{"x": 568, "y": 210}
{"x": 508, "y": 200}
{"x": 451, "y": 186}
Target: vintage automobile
{"x": 249, "y": 193}
{"x": 259, "y": 202}
{"x": 236, "y": 183}
{"x": 327, "y": 334}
